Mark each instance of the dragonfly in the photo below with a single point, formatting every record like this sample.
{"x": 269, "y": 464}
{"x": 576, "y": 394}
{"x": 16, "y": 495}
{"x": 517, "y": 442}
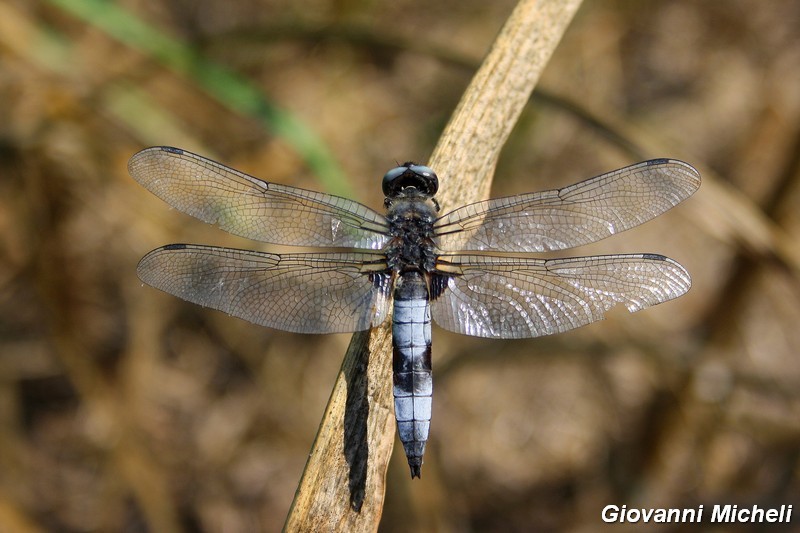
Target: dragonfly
{"x": 469, "y": 270}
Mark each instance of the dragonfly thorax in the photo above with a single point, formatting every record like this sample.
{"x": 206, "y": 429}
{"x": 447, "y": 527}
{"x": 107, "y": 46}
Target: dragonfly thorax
{"x": 411, "y": 226}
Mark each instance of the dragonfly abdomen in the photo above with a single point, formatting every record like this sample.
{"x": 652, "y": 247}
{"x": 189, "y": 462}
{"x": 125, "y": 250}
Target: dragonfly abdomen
{"x": 413, "y": 383}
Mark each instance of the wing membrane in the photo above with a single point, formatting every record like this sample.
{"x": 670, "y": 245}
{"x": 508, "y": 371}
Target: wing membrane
{"x": 303, "y": 293}
{"x": 563, "y": 218}
{"x": 515, "y": 298}
{"x": 253, "y": 208}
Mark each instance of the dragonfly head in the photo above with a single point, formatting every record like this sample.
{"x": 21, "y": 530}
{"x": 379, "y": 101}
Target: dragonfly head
{"x": 410, "y": 179}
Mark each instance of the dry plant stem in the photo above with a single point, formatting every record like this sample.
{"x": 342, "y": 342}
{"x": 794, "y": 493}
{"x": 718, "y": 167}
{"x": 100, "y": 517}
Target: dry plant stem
{"x": 469, "y": 147}
{"x": 343, "y": 484}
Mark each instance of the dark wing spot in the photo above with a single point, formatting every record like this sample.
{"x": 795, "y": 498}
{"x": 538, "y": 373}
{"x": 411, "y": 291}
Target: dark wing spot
{"x": 438, "y": 285}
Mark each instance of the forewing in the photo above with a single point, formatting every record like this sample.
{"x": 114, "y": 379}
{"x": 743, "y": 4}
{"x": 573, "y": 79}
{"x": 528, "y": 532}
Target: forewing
{"x": 514, "y": 298}
{"x": 579, "y": 214}
{"x": 253, "y": 208}
{"x": 303, "y": 293}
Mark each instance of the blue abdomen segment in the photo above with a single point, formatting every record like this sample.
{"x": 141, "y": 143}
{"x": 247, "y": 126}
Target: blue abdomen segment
{"x": 413, "y": 383}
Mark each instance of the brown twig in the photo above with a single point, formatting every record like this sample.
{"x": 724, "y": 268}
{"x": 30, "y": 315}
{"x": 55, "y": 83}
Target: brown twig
{"x": 343, "y": 484}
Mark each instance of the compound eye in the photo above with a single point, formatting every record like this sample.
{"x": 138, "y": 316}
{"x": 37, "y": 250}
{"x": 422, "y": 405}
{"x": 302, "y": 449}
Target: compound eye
{"x": 422, "y": 170}
{"x": 391, "y": 177}
{"x": 395, "y": 173}
{"x": 410, "y": 176}
{"x": 430, "y": 178}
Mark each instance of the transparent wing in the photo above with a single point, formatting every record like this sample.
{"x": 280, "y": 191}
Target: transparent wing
{"x": 514, "y": 298}
{"x": 303, "y": 293}
{"x": 253, "y": 208}
{"x": 579, "y": 214}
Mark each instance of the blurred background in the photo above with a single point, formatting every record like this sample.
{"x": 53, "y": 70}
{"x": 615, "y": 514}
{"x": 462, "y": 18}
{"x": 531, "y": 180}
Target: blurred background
{"x": 125, "y": 409}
